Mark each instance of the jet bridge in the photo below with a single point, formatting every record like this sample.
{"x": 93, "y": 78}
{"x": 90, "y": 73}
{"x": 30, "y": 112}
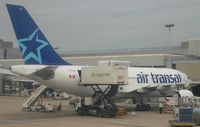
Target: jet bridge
{"x": 33, "y": 98}
{"x": 104, "y": 82}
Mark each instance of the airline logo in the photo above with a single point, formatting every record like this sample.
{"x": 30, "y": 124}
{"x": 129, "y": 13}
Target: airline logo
{"x": 158, "y": 78}
{"x": 31, "y": 46}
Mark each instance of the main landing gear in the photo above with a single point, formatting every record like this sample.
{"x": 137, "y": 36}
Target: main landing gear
{"x": 140, "y": 105}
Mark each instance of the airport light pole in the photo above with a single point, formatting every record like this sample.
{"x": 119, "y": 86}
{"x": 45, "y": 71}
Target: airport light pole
{"x": 169, "y": 26}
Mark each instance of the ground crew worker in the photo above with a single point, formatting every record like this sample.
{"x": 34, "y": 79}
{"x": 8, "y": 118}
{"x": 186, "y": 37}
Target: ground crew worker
{"x": 60, "y": 107}
{"x": 160, "y": 107}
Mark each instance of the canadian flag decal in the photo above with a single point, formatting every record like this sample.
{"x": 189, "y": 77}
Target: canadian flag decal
{"x": 71, "y": 76}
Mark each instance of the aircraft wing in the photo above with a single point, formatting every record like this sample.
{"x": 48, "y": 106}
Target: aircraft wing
{"x": 147, "y": 89}
{"x": 6, "y": 71}
{"x": 162, "y": 87}
{"x": 152, "y": 88}
{"x": 12, "y": 76}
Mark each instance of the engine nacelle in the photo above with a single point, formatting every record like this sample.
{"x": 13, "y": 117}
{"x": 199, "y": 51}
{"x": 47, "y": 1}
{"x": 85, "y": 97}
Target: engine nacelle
{"x": 185, "y": 93}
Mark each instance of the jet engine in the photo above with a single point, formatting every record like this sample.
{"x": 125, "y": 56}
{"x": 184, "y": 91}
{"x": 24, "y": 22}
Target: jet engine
{"x": 184, "y": 93}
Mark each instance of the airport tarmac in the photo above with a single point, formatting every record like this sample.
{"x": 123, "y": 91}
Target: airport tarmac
{"x": 11, "y": 115}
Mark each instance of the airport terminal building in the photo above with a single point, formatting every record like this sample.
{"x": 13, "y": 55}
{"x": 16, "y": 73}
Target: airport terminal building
{"x": 185, "y": 57}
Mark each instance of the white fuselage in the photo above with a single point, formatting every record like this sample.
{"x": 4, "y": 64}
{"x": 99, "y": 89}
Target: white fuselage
{"x": 66, "y": 78}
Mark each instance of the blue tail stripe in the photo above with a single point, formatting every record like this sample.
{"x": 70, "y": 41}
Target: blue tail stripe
{"x": 34, "y": 46}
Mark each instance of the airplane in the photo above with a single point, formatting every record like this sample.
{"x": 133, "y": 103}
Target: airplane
{"x": 42, "y": 64}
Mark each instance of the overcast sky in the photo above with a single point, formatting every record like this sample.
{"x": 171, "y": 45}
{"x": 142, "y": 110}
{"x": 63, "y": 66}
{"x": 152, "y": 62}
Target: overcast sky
{"x": 74, "y": 25}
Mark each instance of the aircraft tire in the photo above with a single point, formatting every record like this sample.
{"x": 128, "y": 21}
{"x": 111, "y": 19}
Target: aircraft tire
{"x": 147, "y": 107}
